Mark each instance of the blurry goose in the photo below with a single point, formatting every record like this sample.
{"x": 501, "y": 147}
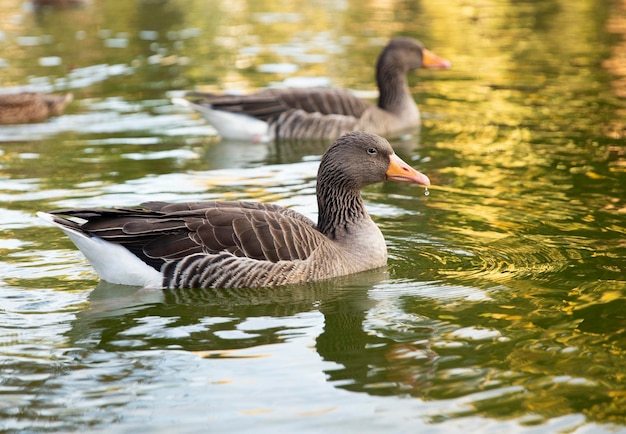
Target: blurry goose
{"x": 25, "y": 107}
{"x": 223, "y": 244}
{"x": 58, "y": 3}
{"x": 323, "y": 113}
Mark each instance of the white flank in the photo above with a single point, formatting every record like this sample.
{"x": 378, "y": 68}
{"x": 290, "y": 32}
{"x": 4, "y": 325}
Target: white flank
{"x": 231, "y": 126}
{"x": 112, "y": 262}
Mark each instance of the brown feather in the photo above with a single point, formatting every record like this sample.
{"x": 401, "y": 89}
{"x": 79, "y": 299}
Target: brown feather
{"x": 28, "y": 107}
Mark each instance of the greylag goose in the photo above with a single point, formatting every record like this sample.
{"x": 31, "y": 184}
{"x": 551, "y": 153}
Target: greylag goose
{"x": 323, "y": 113}
{"x": 25, "y": 107}
{"x": 225, "y": 244}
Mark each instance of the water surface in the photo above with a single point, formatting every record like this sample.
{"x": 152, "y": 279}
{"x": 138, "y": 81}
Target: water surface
{"x": 502, "y": 306}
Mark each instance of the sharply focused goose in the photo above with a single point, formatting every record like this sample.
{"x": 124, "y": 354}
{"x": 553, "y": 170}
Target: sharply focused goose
{"x": 246, "y": 244}
{"x": 25, "y": 107}
{"x": 323, "y": 113}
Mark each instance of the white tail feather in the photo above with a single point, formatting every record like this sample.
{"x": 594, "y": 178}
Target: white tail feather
{"x": 232, "y": 126}
{"x": 112, "y": 262}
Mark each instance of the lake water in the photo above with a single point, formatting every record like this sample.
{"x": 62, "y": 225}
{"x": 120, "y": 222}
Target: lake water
{"x": 503, "y": 306}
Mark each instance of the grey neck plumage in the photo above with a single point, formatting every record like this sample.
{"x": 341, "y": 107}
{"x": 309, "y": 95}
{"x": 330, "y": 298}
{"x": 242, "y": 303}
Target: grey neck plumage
{"x": 393, "y": 85}
{"x": 339, "y": 203}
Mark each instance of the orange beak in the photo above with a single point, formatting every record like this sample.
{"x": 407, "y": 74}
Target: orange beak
{"x": 399, "y": 171}
{"x": 431, "y": 61}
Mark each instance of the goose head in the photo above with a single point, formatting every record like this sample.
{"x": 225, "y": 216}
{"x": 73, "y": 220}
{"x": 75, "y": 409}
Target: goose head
{"x": 358, "y": 159}
{"x": 409, "y": 54}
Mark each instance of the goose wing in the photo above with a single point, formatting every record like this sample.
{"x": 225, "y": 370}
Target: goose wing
{"x": 326, "y": 101}
{"x": 260, "y": 106}
{"x": 159, "y": 231}
{"x": 271, "y": 103}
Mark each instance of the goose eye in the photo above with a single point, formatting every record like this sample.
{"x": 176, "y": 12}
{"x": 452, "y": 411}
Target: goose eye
{"x": 372, "y": 151}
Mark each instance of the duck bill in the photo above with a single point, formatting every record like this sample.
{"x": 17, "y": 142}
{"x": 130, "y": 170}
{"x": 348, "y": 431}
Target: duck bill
{"x": 399, "y": 171}
{"x": 431, "y": 61}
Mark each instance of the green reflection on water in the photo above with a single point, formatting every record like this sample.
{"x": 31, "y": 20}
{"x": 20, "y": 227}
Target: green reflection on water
{"x": 505, "y": 286}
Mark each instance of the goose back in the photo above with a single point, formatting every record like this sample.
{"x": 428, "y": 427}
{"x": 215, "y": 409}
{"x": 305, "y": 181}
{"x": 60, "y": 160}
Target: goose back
{"x": 28, "y": 107}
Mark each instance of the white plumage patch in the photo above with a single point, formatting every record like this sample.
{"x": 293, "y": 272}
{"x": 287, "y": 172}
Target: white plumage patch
{"x": 112, "y": 262}
{"x": 232, "y": 126}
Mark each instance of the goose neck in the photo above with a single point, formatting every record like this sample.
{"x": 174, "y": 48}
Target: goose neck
{"x": 393, "y": 87}
{"x": 340, "y": 207}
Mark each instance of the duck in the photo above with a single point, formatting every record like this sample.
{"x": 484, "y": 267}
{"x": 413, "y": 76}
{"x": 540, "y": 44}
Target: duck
{"x": 28, "y": 107}
{"x": 245, "y": 244}
{"x": 58, "y": 3}
{"x": 296, "y": 114}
